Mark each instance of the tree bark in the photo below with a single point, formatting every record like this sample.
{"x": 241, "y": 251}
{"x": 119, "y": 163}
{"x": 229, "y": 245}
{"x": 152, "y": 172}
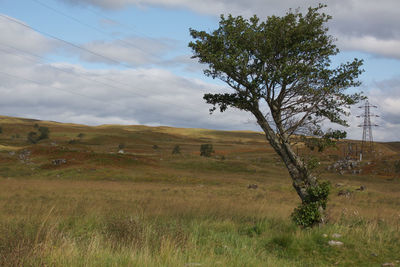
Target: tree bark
{"x": 302, "y": 179}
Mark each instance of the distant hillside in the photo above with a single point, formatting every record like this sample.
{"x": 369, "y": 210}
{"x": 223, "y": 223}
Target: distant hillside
{"x": 143, "y": 152}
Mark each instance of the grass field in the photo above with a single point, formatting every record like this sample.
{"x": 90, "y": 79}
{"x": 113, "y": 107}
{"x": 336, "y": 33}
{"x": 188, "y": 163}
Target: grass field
{"x": 148, "y": 207}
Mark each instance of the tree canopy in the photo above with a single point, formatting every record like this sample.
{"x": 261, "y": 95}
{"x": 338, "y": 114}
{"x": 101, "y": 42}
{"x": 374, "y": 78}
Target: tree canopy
{"x": 284, "y": 62}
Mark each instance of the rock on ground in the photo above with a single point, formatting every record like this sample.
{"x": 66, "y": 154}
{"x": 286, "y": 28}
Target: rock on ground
{"x": 335, "y": 243}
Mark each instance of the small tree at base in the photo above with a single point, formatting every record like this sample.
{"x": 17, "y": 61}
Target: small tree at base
{"x": 280, "y": 71}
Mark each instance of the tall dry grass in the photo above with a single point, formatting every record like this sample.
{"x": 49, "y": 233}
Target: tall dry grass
{"x": 83, "y": 223}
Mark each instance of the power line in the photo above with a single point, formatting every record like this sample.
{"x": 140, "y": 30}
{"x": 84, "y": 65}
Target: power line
{"x": 117, "y": 22}
{"x": 69, "y": 72}
{"x": 69, "y": 43}
{"x": 75, "y": 46}
{"x": 42, "y": 59}
{"x": 64, "y": 41}
{"x": 58, "y": 89}
{"x": 91, "y": 27}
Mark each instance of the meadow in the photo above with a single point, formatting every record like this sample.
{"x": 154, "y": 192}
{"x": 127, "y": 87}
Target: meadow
{"x": 116, "y": 196}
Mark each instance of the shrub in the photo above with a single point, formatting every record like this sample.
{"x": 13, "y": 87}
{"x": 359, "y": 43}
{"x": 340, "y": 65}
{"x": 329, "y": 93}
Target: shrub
{"x": 44, "y": 132}
{"x": 176, "y": 150}
{"x": 206, "y": 150}
{"x": 121, "y": 146}
{"x": 309, "y": 212}
{"x": 32, "y": 137}
{"x": 1, "y": 129}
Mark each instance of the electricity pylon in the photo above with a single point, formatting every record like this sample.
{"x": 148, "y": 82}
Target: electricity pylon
{"x": 367, "y": 145}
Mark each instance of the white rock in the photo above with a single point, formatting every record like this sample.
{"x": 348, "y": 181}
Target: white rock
{"x": 335, "y": 243}
{"x": 336, "y": 235}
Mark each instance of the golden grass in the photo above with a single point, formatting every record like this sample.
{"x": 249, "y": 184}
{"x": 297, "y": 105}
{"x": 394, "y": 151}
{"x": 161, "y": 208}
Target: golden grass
{"x": 103, "y": 223}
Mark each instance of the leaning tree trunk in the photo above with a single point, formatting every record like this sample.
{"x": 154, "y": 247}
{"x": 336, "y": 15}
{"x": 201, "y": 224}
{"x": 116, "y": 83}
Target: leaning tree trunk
{"x": 313, "y": 194}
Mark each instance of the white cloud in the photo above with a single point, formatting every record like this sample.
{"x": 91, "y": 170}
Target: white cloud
{"x": 141, "y": 96}
{"x": 71, "y": 93}
{"x": 370, "y": 44}
{"x": 133, "y": 51}
{"x": 363, "y": 25}
{"x": 18, "y": 36}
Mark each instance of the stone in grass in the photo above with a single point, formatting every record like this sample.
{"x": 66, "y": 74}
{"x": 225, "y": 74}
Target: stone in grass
{"x": 345, "y": 193}
{"x": 387, "y": 264}
{"x": 252, "y": 186}
{"x": 336, "y": 235}
{"x": 335, "y": 243}
{"x": 58, "y": 162}
{"x": 361, "y": 188}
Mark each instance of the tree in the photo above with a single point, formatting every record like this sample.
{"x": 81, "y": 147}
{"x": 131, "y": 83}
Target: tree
{"x": 176, "y": 150}
{"x": 44, "y": 132}
{"x": 206, "y": 150}
{"x": 33, "y": 137}
{"x": 280, "y": 70}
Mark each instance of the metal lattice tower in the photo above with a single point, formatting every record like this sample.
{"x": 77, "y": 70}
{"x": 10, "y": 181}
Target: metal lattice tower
{"x": 367, "y": 145}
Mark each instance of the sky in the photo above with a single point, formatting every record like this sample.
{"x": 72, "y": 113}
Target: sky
{"x": 127, "y": 61}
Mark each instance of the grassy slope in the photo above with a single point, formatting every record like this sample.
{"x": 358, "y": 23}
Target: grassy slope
{"x": 147, "y": 207}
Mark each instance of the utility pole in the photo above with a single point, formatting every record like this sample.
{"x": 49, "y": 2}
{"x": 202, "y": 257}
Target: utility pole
{"x": 367, "y": 144}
